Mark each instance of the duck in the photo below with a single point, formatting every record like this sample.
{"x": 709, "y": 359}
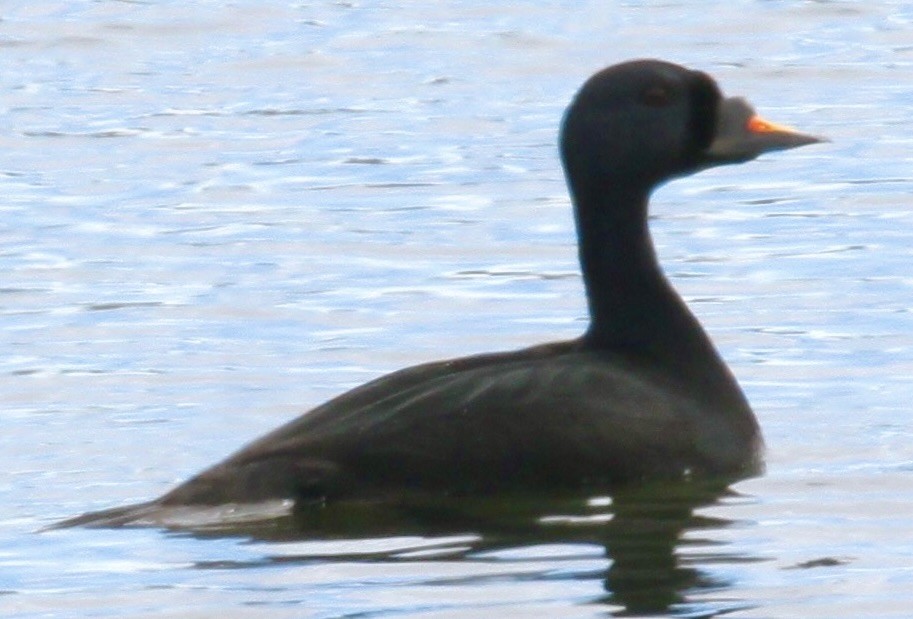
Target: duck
{"x": 642, "y": 394}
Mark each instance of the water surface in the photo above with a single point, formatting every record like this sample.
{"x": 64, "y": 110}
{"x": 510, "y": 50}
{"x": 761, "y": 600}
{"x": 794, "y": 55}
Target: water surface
{"x": 218, "y": 215}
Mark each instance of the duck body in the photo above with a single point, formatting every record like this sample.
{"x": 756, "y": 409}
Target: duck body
{"x": 642, "y": 394}
{"x": 557, "y": 416}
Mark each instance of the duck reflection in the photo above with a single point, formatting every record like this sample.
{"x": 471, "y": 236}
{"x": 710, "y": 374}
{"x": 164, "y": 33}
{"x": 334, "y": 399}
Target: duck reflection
{"x": 647, "y": 575}
{"x": 641, "y": 529}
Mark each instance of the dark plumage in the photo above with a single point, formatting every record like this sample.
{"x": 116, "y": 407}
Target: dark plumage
{"x": 642, "y": 394}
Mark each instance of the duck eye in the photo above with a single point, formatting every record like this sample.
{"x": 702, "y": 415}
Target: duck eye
{"x": 656, "y": 96}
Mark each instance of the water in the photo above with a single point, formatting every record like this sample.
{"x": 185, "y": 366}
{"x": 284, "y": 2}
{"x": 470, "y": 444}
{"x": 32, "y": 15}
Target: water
{"x": 216, "y": 215}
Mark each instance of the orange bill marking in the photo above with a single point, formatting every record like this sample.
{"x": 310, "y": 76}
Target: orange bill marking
{"x": 756, "y": 124}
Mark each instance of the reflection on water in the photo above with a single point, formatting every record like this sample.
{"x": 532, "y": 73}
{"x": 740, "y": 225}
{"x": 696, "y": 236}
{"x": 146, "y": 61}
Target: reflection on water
{"x": 639, "y": 530}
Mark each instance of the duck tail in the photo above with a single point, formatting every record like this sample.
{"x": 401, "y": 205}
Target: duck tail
{"x": 109, "y": 518}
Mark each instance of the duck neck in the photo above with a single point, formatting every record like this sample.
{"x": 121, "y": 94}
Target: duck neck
{"x": 633, "y": 308}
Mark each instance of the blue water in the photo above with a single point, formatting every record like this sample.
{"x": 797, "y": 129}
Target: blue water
{"x": 217, "y": 215}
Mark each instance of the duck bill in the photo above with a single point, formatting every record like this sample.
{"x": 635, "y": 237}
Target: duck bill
{"x": 742, "y": 135}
